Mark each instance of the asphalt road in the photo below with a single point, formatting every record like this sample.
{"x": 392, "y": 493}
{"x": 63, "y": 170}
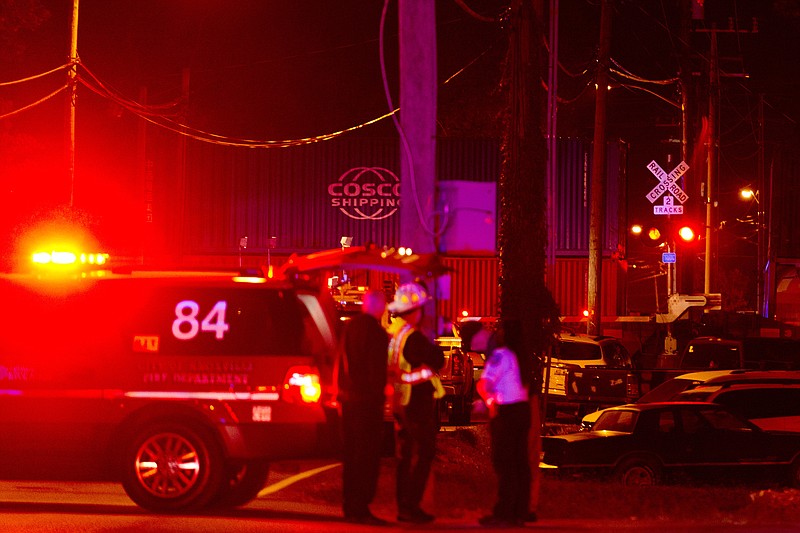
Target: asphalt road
{"x": 55, "y": 507}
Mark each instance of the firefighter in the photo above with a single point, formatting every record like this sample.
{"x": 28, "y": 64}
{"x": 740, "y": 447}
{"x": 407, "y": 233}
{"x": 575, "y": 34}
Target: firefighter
{"x": 413, "y": 362}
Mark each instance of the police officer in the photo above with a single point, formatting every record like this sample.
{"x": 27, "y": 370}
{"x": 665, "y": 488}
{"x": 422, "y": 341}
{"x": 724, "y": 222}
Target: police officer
{"x": 413, "y": 362}
{"x": 503, "y": 389}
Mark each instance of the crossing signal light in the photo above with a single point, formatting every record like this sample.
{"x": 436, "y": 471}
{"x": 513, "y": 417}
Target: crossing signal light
{"x": 657, "y": 235}
{"x": 652, "y": 235}
{"x": 687, "y": 234}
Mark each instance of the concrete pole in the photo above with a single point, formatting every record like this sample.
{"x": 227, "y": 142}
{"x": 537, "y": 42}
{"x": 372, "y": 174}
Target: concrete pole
{"x": 418, "y": 85}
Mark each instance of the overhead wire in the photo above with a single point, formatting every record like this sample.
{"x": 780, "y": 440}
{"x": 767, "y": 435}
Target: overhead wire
{"x": 205, "y": 136}
{"x": 31, "y": 78}
{"x": 36, "y": 76}
{"x": 33, "y": 104}
{"x": 119, "y": 98}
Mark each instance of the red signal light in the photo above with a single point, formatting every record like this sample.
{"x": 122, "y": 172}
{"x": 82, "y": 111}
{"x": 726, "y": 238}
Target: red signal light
{"x": 687, "y": 234}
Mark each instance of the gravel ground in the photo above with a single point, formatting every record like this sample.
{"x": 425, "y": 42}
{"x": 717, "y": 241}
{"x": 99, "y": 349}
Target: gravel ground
{"x": 463, "y": 487}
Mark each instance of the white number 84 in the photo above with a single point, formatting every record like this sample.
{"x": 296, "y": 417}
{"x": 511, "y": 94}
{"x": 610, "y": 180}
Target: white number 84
{"x": 186, "y": 317}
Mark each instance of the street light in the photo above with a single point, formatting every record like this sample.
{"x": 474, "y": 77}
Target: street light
{"x": 749, "y": 194}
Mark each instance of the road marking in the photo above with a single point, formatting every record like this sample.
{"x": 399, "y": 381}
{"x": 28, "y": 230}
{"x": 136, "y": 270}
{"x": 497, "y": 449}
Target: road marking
{"x": 282, "y": 484}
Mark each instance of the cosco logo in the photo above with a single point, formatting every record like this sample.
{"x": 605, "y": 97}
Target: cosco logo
{"x": 186, "y": 325}
{"x": 366, "y": 193}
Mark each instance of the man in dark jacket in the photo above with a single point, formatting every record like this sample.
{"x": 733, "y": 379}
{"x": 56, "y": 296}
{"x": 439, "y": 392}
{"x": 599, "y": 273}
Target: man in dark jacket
{"x": 362, "y": 382}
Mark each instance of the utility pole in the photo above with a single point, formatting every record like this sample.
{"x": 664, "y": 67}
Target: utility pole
{"x": 761, "y": 262}
{"x": 713, "y": 147}
{"x": 418, "y": 86}
{"x": 552, "y": 143}
{"x": 686, "y": 285}
{"x": 72, "y": 82}
{"x": 713, "y": 140}
{"x": 598, "y": 178}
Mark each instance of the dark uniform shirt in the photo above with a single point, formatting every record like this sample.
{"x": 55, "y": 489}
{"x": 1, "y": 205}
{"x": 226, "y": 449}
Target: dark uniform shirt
{"x": 420, "y": 350}
{"x": 365, "y": 347}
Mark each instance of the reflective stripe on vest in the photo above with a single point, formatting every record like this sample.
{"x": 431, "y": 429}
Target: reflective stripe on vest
{"x": 409, "y": 376}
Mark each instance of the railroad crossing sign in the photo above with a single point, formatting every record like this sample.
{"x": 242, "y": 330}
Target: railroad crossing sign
{"x": 667, "y": 184}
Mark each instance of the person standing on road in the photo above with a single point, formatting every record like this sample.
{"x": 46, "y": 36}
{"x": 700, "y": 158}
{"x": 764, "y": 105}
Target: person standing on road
{"x": 361, "y": 383}
{"x": 506, "y": 397}
{"x": 413, "y": 364}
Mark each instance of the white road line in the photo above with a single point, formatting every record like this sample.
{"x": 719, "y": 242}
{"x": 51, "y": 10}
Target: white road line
{"x": 282, "y": 484}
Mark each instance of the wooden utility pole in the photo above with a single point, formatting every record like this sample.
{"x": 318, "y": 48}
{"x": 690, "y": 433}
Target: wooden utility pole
{"x": 598, "y": 178}
{"x": 713, "y": 146}
{"x": 72, "y": 81}
{"x": 527, "y": 309}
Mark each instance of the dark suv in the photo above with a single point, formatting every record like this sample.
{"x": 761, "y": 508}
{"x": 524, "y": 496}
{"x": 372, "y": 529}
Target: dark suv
{"x": 759, "y": 353}
{"x": 181, "y": 385}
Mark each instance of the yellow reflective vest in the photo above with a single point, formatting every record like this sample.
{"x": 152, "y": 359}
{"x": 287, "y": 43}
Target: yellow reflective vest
{"x": 405, "y": 375}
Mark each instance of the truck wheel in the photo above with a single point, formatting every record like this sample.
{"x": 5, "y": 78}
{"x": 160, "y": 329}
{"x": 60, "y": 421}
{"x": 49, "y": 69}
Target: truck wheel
{"x": 794, "y": 480}
{"x": 638, "y": 471}
{"x": 460, "y": 414}
{"x": 243, "y": 482}
{"x": 172, "y": 467}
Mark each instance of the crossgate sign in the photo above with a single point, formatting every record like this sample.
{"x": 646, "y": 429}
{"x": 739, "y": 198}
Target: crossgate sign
{"x": 667, "y": 184}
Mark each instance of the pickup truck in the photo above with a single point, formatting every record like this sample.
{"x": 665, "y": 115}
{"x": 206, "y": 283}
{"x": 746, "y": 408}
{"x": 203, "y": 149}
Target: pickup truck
{"x": 591, "y": 388}
{"x": 573, "y": 362}
{"x": 458, "y": 379}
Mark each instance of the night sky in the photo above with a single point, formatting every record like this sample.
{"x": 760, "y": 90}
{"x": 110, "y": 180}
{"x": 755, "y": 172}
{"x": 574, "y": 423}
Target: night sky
{"x": 280, "y": 70}
{"x": 270, "y": 70}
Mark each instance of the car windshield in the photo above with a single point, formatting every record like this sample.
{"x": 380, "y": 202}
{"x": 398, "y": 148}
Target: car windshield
{"x": 711, "y": 356}
{"x": 666, "y": 391}
{"x": 578, "y": 351}
{"x": 617, "y": 420}
{"x": 695, "y": 395}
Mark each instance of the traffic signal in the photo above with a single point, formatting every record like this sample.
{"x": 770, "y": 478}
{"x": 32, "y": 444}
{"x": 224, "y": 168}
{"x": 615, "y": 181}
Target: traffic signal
{"x": 687, "y": 233}
{"x": 650, "y": 235}
{"x": 658, "y": 234}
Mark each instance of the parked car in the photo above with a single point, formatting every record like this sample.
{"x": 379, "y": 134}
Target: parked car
{"x": 769, "y": 399}
{"x": 761, "y": 395}
{"x": 667, "y": 391}
{"x": 646, "y": 444}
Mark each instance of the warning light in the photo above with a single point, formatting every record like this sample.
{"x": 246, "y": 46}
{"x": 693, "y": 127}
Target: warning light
{"x": 464, "y": 313}
{"x": 66, "y": 258}
{"x": 586, "y": 313}
{"x": 686, "y": 234}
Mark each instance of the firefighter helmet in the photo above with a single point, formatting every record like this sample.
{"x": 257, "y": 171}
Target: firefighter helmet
{"x": 409, "y": 296}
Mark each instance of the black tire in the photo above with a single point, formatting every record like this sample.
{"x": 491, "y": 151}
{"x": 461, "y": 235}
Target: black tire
{"x": 172, "y": 467}
{"x": 638, "y": 471}
{"x": 794, "y": 472}
{"x": 243, "y": 481}
{"x": 460, "y": 414}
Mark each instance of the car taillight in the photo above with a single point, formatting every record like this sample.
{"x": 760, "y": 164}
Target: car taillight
{"x": 302, "y": 385}
{"x": 457, "y": 357}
